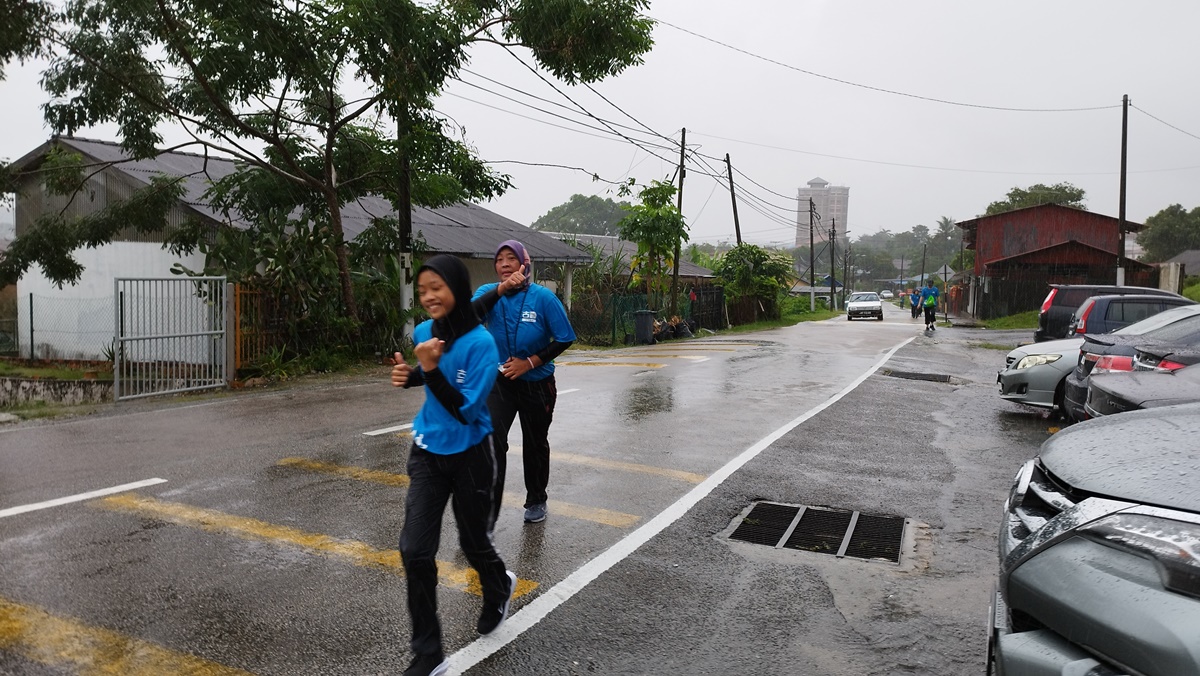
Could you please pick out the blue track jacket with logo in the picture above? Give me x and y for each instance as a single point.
(525, 322)
(470, 367)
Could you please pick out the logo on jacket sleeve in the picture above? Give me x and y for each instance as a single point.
(461, 376)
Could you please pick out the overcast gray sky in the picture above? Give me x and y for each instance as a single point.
(909, 157)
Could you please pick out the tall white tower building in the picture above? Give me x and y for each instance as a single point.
(832, 203)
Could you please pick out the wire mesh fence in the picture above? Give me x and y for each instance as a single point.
(609, 319)
(51, 328)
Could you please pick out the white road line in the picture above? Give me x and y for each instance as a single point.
(12, 511)
(530, 615)
(574, 389)
(397, 428)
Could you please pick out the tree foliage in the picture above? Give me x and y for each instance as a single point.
(1019, 198)
(266, 84)
(749, 270)
(584, 215)
(657, 227)
(1169, 233)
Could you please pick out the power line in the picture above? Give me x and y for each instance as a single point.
(594, 175)
(882, 90)
(1181, 131)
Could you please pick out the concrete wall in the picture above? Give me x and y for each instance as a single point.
(26, 390)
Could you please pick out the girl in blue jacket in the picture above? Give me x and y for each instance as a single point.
(452, 456)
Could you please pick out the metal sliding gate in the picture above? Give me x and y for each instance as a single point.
(170, 336)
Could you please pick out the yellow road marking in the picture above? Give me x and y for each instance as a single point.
(359, 473)
(593, 514)
(696, 349)
(669, 356)
(358, 553)
(577, 459)
(70, 644)
(611, 363)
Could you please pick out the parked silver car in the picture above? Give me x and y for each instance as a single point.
(1034, 374)
(1100, 552)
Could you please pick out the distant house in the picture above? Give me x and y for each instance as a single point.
(1190, 260)
(465, 230)
(1018, 253)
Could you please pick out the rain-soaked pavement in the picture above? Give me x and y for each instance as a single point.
(269, 548)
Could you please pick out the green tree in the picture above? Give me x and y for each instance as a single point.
(749, 270)
(1169, 233)
(584, 215)
(264, 82)
(657, 227)
(1019, 198)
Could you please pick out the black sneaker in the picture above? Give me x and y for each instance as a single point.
(493, 615)
(535, 513)
(428, 665)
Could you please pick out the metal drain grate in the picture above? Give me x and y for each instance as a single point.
(766, 523)
(912, 375)
(823, 530)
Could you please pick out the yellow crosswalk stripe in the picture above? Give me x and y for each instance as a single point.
(594, 514)
(690, 477)
(358, 553)
(647, 365)
(65, 643)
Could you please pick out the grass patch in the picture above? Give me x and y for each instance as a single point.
(1192, 292)
(55, 371)
(1024, 320)
(995, 346)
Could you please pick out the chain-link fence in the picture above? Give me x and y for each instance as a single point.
(52, 328)
(608, 319)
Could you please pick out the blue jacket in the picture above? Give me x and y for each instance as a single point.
(525, 322)
(470, 367)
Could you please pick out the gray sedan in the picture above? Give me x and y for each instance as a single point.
(1034, 374)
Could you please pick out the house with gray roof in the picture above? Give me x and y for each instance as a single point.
(465, 230)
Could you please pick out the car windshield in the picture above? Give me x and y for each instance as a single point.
(1183, 330)
(1158, 321)
(861, 297)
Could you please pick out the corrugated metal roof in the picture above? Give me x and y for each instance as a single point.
(611, 245)
(464, 229)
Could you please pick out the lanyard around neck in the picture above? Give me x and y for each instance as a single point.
(511, 339)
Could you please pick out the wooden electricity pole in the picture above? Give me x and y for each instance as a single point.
(812, 261)
(832, 263)
(1121, 203)
(736, 226)
(673, 305)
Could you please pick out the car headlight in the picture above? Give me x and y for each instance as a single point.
(1037, 360)
(1173, 545)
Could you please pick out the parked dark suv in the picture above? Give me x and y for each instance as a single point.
(1063, 299)
(1104, 314)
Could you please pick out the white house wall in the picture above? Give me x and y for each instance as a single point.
(77, 321)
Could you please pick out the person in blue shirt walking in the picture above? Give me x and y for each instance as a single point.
(914, 300)
(531, 328)
(929, 301)
(452, 456)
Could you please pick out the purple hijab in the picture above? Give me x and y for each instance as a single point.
(519, 250)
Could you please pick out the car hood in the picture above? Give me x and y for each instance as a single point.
(1068, 346)
(863, 303)
(1150, 388)
(1149, 457)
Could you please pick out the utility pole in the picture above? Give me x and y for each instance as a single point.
(812, 262)
(1121, 206)
(736, 226)
(902, 270)
(673, 305)
(845, 274)
(832, 263)
(404, 219)
(924, 247)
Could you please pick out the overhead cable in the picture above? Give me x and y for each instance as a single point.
(882, 90)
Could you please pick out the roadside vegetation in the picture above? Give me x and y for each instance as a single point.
(1023, 320)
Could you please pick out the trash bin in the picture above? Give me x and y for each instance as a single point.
(643, 327)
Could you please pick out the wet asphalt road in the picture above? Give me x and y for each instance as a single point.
(270, 547)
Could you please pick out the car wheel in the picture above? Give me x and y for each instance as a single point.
(1060, 400)
(880, 317)
(847, 317)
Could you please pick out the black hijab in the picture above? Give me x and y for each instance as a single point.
(462, 318)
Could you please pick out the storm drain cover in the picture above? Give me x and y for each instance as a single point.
(912, 375)
(823, 530)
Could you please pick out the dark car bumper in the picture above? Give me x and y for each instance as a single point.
(1075, 398)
